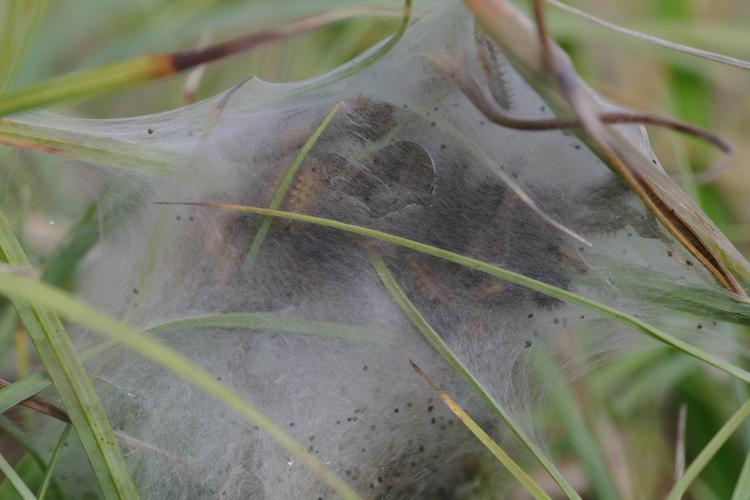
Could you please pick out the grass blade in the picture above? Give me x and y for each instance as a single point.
(695, 468)
(361, 63)
(124, 74)
(484, 438)
(27, 387)
(275, 322)
(32, 466)
(707, 453)
(22, 288)
(278, 196)
(498, 272)
(90, 148)
(71, 381)
(16, 481)
(88, 83)
(742, 488)
(437, 342)
(53, 461)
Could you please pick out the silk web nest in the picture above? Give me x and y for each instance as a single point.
(313, 334)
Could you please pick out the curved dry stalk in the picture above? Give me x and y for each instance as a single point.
(677, 213)
(192, 58)
(494, 114)
(492, 111)
(562, 71)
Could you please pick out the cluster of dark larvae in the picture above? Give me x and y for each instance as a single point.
(442, 198)
(436, 195)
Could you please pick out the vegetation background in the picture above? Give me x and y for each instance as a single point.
(633, 405)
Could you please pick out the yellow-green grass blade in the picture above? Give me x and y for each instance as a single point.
(358, 65)
(67, 373)
(742, 488)
(286, 181)
(122, 155)
(708, 451)
(494, 448)
(124, 74)
(15, 481)
(88, 83)
(53, 462)
(504, 274)
(21, 288)
(422, 325)
(274, 322)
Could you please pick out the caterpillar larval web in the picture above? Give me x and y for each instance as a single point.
(310, 331)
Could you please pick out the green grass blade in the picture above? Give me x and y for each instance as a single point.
(31, 474)
(87, 83)
(16, 481)
(124, 74)
(28, 386)
(742, 488)
(53, 462)
(90, 148)
(22, 288)
(358, 65)
(23, 389)
(278, 196)
(707, 453)
(517, 472)
(504, 274)
(437, 342)
(275, 322)
(71, 381)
